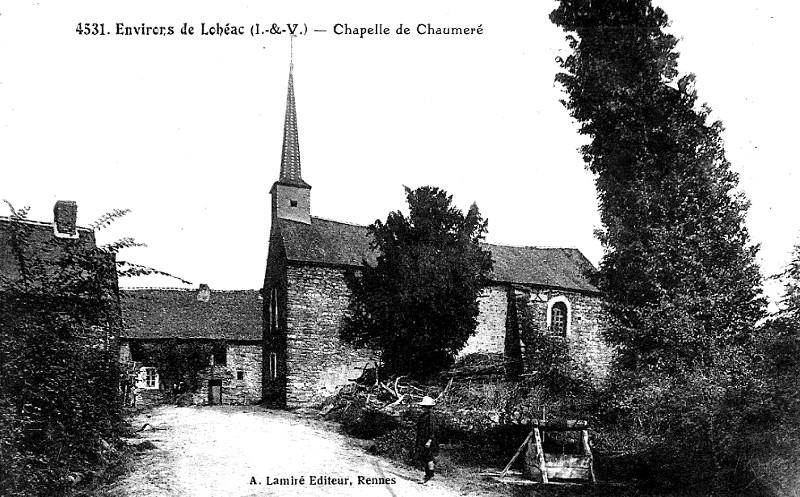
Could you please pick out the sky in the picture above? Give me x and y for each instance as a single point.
(186, 130)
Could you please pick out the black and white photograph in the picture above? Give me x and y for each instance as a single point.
(361, 248)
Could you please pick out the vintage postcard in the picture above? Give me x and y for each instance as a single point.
(245, 147)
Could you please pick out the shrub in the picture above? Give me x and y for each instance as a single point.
(362, 422)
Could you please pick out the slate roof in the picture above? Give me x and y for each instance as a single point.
(290, 154)
(326, 242)
(42, 244)
(176, 313)
(551, 267)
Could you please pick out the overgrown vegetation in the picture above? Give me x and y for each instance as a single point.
(776, 453)
(179, 362)
(418, 304)
(60, 406)
(692, 388)
(550, 363)
(679, 273)
(60, 414)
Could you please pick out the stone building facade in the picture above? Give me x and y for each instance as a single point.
(229, 321)
(306, 297)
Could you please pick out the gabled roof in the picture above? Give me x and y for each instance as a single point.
(332, 243)
(326, 242)
(41, 245)
(564, 268)
(177, 313)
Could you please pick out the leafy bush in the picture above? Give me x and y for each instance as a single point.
(58, 402)
(60, 413)
(179, 362)
(367, 423)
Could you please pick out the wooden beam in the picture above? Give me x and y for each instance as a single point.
(540, 451)
(568, 473)
(519, 451)
(561, 424)
(588, 451)
(566, 461)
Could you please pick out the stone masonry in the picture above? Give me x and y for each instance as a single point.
(317, 362)
(490, 334)
(585, 335)
(584, 339)
(244, 358)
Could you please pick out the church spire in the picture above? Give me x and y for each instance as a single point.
(290, 156)
(291, 196)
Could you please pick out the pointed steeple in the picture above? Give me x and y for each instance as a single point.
(290, 156)
(291, 196)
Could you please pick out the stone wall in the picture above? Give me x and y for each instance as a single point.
(274, 340)
(490, 335)
(244, 357)
(317, 362)
(241, 356)
(502, 313)
(584, 336)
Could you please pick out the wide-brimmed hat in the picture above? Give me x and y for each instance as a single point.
(427, 401)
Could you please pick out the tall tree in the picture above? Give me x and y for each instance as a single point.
(679, 271)
(782, 351)
(790, 301)
(418, 303)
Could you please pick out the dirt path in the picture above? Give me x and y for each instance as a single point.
(220, 450)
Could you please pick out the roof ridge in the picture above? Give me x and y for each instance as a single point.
(543, 247)
(339, 222)
(38, 223)
(139, 288)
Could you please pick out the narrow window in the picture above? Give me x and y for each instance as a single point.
(273, 310)
(220, 354)
(240, 375)
(558, 319)
(273, 365)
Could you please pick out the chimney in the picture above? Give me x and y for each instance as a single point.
(65, 215)
(203, 293)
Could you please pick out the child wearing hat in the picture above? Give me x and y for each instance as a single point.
(427, 444)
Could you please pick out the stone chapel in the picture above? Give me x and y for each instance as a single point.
(305, 295)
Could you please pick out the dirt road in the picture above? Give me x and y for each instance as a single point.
(249, 451)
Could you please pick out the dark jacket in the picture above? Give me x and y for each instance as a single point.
(426, 430)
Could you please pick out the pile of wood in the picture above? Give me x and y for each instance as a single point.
(479, 366)
(391, 395)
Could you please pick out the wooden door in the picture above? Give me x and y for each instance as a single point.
(214, 392)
